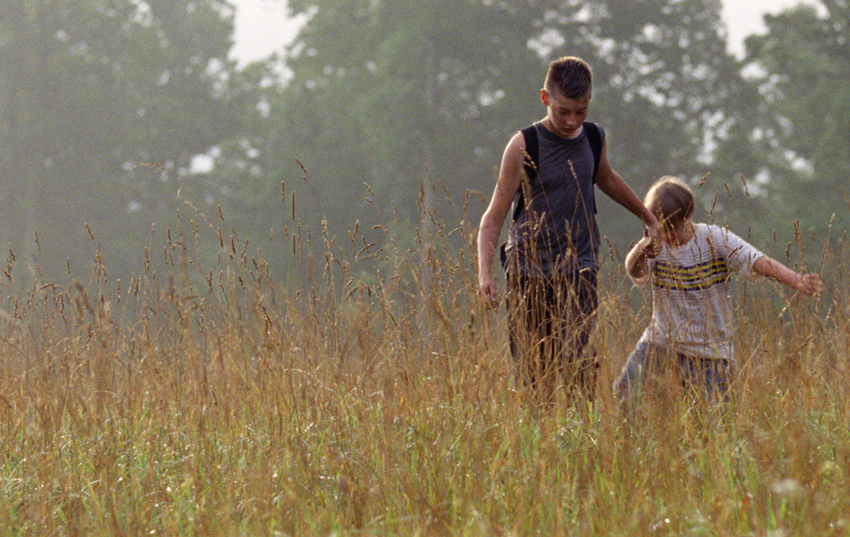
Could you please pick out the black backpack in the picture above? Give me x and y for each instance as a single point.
(532, 152)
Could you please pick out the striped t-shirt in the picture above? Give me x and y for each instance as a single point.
(691, 305)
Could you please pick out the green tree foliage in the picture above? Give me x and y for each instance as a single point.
(402, 96)
(418, 99)
(102, 105)
(801, 128)
(663, 80)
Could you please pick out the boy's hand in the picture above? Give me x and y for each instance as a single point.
(810, 284)
(487, 290)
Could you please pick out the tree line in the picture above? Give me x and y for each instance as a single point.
(127, 127)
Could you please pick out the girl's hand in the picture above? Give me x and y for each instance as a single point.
(650, 243)
(810, 284)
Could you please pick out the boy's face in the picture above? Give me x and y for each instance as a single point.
(565, 114)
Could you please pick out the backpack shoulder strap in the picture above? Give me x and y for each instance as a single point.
(532, 157)
(532, 151)
(595, 139)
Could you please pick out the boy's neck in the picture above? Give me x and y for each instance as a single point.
(547, 124)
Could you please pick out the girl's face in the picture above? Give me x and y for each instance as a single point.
(673, 236)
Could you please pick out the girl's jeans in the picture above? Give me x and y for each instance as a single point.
(649, 363)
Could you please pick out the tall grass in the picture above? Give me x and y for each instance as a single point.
(369, 393)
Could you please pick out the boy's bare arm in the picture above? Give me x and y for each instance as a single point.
(618, 190)
(809, 284)
(510, 178)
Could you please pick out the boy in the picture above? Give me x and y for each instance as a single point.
(689, 265)
(551, 255)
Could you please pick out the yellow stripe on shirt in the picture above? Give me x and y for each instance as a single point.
(690, 278)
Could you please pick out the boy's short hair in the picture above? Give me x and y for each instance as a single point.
(569, 77)
(670, 200)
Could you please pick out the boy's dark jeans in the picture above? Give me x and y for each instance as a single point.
(550, 321)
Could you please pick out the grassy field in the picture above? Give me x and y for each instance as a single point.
(377, 398)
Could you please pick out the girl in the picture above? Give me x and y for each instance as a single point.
(689, 265)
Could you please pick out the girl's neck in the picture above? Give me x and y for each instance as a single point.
(684, 234)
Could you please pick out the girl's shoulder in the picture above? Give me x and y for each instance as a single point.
(701, 229)
(710, 233)
(705, 244)
(725, 242)
(715, 233)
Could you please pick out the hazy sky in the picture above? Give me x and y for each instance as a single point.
(262, 26)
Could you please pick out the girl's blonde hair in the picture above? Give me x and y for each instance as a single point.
(671, 201)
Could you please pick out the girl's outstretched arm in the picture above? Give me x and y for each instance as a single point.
(809, 284)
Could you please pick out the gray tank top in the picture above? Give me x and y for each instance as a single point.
(557, 232)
